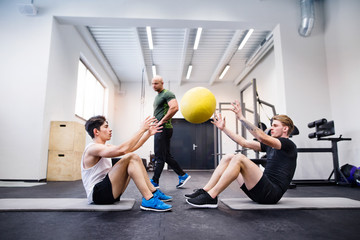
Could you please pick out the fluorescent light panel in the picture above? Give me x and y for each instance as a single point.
(154, 70)
(149, 36)
(224, 71)
(189, 72)
(246, 38)
(197, 38)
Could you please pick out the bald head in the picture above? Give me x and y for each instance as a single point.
(157, 83)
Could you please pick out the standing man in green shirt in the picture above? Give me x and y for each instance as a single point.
(165, 107)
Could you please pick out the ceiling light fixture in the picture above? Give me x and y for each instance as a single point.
(246, 38)
(154, 70)
(189, 72)
(149, 36)
(197, 38)
(224, 71)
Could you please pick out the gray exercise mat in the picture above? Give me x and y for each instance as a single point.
(61, 204)
(20, 184)
(293, 203)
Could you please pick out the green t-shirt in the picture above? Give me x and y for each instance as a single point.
(161, 106)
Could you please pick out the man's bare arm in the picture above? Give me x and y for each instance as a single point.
(220, 123)
(128, 146)
(255, 131)
(173, 108)
(152, 131)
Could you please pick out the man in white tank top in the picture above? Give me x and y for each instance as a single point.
(104, 183)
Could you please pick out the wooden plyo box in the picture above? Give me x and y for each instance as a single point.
(64, 166)
(67, 136)
(66, 145)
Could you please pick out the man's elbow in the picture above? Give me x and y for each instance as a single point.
(123, 150)
(263, 138)
(260, 139)
(174, 109)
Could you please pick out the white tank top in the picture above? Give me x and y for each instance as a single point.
(91, 176)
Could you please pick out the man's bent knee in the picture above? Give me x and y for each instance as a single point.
(227, 157)
(240, 159)
(135, 158)
(128, 157)
(131, 156)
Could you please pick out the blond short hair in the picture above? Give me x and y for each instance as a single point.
(285, 120)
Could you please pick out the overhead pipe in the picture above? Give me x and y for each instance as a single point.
(307, 17)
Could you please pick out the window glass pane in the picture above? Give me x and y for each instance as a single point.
(99, 96)
(79, 106)
(90, 94)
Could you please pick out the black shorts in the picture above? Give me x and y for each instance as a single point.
(102, 192)
(264, 192)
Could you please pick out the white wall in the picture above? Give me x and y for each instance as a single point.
(24, 47)
(306, 92)
(342, 38)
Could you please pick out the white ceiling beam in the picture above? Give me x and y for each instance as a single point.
(142, 57)
(183, 55)
(90, 41)
(259, 53)
(228, 52)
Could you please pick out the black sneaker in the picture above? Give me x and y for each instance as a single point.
(203, 201)
(196, 193)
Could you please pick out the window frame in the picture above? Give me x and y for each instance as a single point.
(99, 85)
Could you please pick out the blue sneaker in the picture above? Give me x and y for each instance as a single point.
(155, 204)
(160, 195)
(156, 185)
(183, 180)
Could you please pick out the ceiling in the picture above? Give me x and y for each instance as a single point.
(126, 49)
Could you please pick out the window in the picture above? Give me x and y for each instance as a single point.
(90, 95)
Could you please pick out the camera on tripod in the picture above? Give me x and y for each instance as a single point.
(323, 128)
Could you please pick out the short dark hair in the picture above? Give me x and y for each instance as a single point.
(94, 122)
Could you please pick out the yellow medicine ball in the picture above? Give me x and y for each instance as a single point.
(198, 105)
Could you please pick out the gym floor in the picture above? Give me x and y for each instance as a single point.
(183, 222)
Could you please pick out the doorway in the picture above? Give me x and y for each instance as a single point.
(192, 145)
